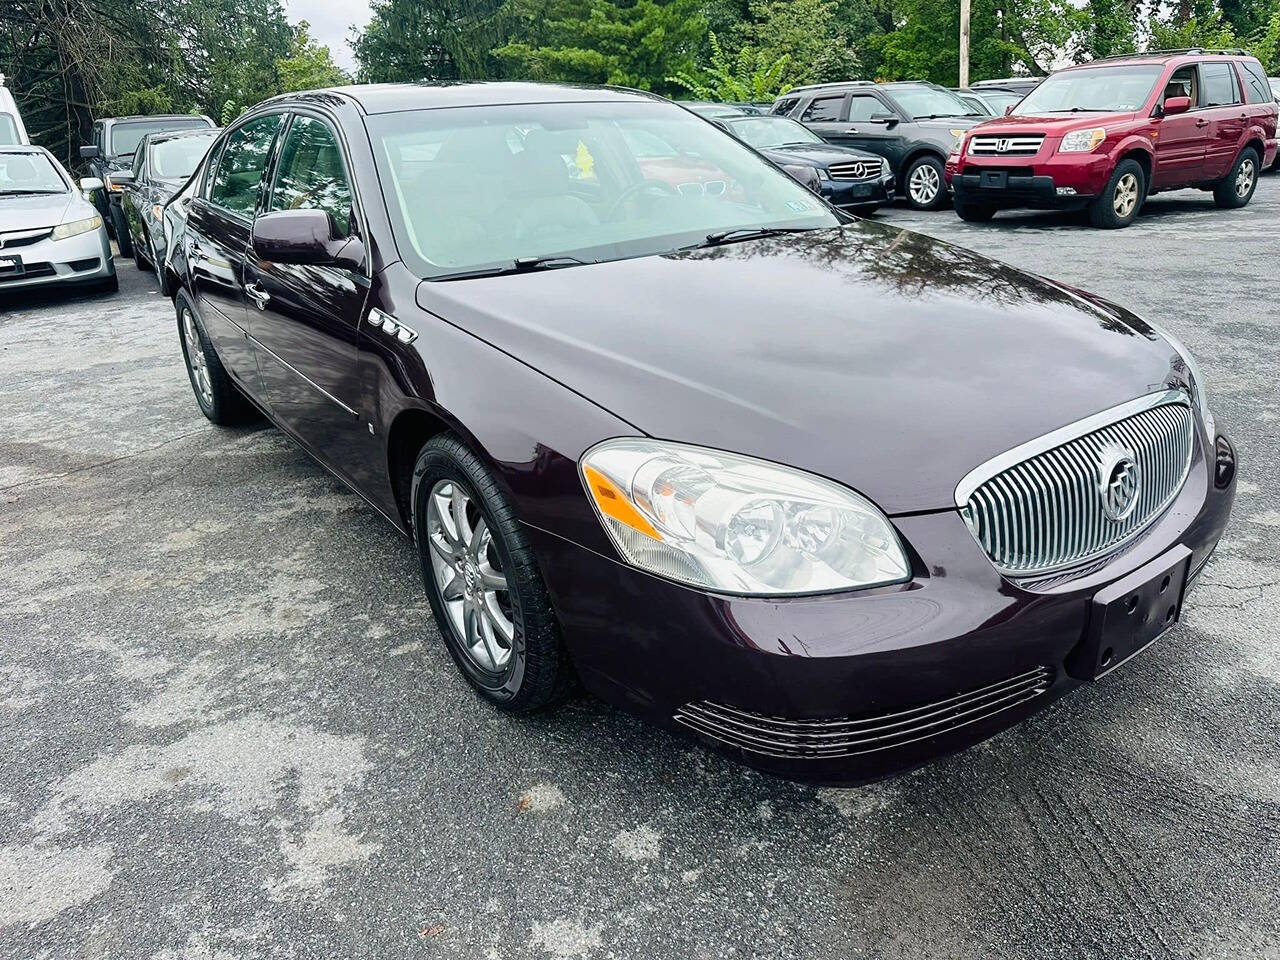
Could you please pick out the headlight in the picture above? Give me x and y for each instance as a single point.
(884, 167)
(735, 524)
(76, 227)
(1199, 388)
(1082, 141)
(959, 140)
(806, 175)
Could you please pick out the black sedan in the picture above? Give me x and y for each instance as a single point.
(162, 164)
(845, 176)
(795, 482)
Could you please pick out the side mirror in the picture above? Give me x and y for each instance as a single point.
(90, 184)
(304, 237)
(90, 152)
(1173, 105)
(120, 178)
(888, 119)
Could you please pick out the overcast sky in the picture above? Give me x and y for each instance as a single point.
(331, 22)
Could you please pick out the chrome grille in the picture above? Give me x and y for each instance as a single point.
(1006, 146)
(1040, 508)
(855, 170)
(846, 736)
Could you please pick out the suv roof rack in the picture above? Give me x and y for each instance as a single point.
(823, 86)
(1187, 51)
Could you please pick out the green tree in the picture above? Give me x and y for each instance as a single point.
(808, 34)
(633, 43)
(741, 78)
(309, 65)
(410, 40)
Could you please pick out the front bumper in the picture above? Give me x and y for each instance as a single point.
(1046, 181)
(855, 193)
(906, 673)
(82, 259)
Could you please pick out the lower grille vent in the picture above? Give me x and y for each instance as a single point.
(848, 736)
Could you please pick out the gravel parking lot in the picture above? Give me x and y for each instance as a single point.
(228, 728)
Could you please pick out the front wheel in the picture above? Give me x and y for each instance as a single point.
(925, 185)
(139, 259)
(974, 212)
(1118, 204)
(483, 582)
(121, 228)
(1236, 188)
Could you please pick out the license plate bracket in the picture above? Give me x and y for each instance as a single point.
(11, 265)
(994, 179)
(1131, 614)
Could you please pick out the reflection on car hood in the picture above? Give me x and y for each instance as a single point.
(35, 211)
(880, 358)
(823, 154)
(1051, 123)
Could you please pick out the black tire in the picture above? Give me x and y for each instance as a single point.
(924, 183)
(139, 260)
(163, 279)
(974, 212)
(536, 672)
(109, 285)
(121, 228)
(1237, 187)
(1110, 210)
(222, 402)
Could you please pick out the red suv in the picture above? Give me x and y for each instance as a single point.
(1105, 135)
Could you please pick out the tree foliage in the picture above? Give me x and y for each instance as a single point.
(309, 65)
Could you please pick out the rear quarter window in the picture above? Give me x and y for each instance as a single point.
(824, 109)
(1256, 88)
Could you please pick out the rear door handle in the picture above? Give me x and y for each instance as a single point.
(852, 130)
(259, 296)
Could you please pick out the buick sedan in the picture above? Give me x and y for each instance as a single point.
(833, 497)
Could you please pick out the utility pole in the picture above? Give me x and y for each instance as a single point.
(964, 43)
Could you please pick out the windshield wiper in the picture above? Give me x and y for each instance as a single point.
(944, 116)
(518, 265)
(718, 237)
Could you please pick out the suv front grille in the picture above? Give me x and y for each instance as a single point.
(1024, 146)
(847, 736)
(1051, 508)
(855, 170)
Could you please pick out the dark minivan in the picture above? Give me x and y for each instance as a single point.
(732, 460)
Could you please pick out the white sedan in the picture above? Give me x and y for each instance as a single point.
(49, 233)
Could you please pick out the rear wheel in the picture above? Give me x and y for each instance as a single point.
(483, 582)
(139, 260)
(1236, 189)
(121, 229)
(219, 398)
(1121, 199)
(974, 212)
(925, 187)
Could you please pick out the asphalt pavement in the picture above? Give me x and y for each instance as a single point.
(228, 728)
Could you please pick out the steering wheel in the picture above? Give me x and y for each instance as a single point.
(636, 188)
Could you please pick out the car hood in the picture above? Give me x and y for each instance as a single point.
(1052, 123)
(951, 123)
(821, 154)
(883, 359)
(34, 212)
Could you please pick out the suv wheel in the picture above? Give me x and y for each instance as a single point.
(974, 212)
(1122, 197)
(925, 187)
(483, 582)
(1236, 189)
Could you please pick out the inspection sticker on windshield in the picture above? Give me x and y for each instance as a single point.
(799, 206)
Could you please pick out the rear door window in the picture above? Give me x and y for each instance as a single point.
(238, 177)
(824, 110)
(1218, 85)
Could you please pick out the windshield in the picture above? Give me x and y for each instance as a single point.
(126, 136)
(178, 158)
(8, 131)
(997, 100)
(1095, 90)
(29, 173)
(924, 103)
(476, 188)
(765, 132)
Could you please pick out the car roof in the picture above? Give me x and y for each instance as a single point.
(163, 135)
(393, 97)
(154, 116)
(24, 148)
(1192, 55)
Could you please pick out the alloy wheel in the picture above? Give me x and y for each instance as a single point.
(1126, 195)
(924, 184)
(467, 569)
(195, 357)
(1245, 177)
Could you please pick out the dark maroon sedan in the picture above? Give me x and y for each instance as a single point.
(835, 497)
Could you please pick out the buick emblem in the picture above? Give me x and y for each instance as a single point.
(1119, 482)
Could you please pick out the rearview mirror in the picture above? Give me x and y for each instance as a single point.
(90, 184)
(1174, 105)
(304, 237)
(90, 152)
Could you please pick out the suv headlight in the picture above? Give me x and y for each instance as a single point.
(1082, 141)
(734, 524)
(806, 175)
(76, 227)
(1199, 388)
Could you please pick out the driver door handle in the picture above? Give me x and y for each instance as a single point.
(259, 296)
(1202, 123)
(852, 130)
